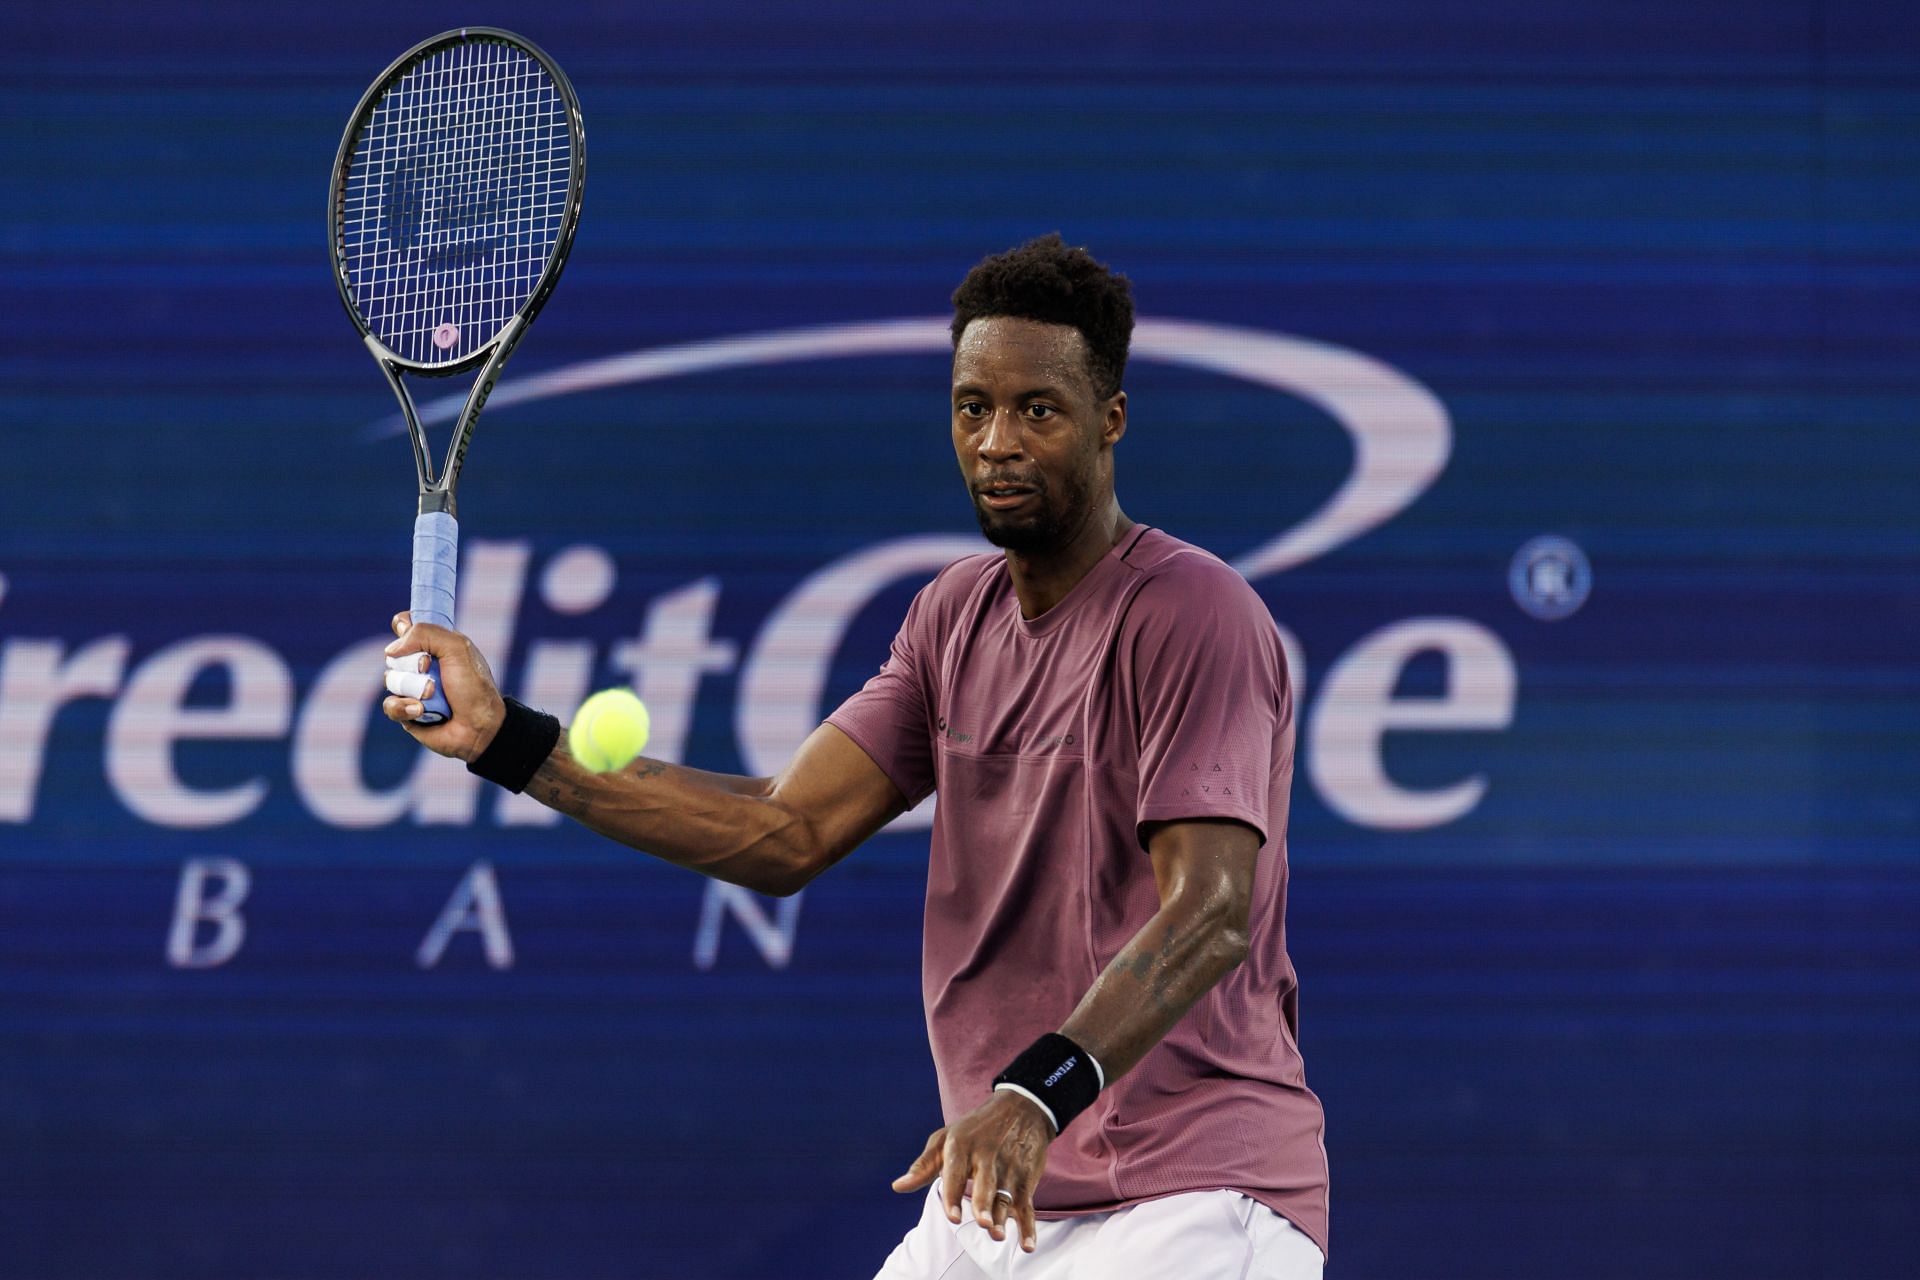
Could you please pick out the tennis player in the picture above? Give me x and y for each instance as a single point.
(1104, 710)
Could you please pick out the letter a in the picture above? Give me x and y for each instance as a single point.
(474, 906)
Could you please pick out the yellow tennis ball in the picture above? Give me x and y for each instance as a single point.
(609, 731)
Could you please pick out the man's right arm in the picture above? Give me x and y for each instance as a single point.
(771, 835)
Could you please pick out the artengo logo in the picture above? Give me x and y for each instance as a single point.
(1401, 440)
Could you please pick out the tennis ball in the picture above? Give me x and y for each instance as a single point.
(609, 731)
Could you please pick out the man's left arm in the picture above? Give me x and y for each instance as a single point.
(1203, 869)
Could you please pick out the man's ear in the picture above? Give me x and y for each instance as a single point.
(1114, 424)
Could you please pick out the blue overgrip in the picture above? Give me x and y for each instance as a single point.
(436, 560)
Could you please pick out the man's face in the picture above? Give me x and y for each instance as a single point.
(1032, 435)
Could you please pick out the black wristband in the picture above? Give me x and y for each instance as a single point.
(521, 746)
(1058, 1075)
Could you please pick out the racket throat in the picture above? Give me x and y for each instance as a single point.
(476, 401)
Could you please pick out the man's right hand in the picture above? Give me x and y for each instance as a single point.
(472, 697)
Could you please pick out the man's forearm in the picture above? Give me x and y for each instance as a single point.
(1176, 958)
(731, 828)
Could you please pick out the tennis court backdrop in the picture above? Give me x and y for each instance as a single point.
(1549, 369)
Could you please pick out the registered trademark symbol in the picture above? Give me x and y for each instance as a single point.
(1550, 578)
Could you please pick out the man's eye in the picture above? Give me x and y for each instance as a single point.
(1040, 412)
(972, 409)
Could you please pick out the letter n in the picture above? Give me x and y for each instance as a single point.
(773, 938)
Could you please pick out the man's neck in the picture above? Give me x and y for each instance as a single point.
(1041, 580)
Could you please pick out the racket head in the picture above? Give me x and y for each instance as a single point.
(455, 196)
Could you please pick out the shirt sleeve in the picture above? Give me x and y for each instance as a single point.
(1211, 693)
(891, 718)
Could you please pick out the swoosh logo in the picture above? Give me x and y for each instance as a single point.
(1401, 433)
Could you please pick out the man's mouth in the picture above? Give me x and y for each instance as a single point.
(1005, 497)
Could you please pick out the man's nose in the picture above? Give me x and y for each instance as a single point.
(1002, 440)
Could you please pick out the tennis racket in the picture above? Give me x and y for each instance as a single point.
(453, 205)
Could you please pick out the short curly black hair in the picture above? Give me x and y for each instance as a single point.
(1048, 280)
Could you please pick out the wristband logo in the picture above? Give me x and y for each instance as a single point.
(1061, 1070)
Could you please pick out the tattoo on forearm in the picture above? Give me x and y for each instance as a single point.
(1142, 966)
(1162, 991)
(1166, 973)
(1157, 971)
(556, 797)
(574, 798)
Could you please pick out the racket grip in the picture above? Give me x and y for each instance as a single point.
(436, 562)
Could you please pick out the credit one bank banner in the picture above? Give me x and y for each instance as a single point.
(1547, 368)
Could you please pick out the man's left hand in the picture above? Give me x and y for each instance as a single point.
(1002, 1145)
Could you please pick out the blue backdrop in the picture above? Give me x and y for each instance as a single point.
(1605, 871)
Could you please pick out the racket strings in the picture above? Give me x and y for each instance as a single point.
(455, 198)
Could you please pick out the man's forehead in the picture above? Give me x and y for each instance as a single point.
(1009, 345)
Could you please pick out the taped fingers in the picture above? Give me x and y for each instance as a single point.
(407, 675)
(410, 684)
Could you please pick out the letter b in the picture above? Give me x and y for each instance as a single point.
(193, 905)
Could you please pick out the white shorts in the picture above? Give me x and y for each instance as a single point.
(1198, 1235)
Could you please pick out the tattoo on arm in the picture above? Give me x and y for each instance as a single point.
(753, 832)
(1145, 990)
(567, 799)
(1166, 972)
(573, 798)
(1154, 970)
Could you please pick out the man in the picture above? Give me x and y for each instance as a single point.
(1105, 714)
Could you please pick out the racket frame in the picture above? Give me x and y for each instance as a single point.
(437, 486)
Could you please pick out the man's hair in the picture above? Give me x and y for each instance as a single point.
(1045, 279)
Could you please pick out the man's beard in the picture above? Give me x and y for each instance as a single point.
(1051, 526)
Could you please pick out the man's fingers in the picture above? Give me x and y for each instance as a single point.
(409, 684)
(401, 709)
(983, 1187)
(1023, 1214)
(407, 672)
(1002, 1205)
(425, 638)
(924, 1165)
(401, 621)
(953, 1179)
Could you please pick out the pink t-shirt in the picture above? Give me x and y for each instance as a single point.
(1155, 690)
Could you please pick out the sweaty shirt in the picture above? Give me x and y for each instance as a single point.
(1155, 690)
